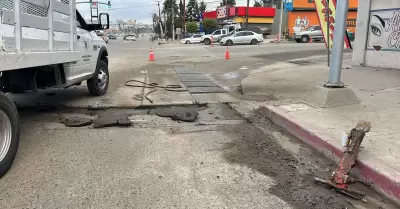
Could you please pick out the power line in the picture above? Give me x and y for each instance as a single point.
(134, 7)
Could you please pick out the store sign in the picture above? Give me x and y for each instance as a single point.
(232, 11)
(326, 15)
(288, 5)
(222, 12)
(351, 23)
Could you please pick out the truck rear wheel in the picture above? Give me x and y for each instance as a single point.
(207, 41)
(9, 133)
(98, 85)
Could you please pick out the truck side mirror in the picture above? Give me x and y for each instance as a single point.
(104, 20)
(104, 23)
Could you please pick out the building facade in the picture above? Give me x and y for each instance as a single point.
(304, 15)
(377, 41)
(258, 16)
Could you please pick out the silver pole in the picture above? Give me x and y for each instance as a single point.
(280, 23)
(338, 39)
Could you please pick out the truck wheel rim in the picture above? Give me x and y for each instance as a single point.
(102, 79)
(5, 134)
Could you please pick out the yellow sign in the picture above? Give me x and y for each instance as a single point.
(326, 15)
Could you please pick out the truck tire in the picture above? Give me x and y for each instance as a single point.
(98, 85)
(207, 41)
(9, 133)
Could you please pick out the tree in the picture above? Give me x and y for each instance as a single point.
(210, 25)
(192, 10)
(228, 2)
(257, 4)
(202, 6)
(192, 27)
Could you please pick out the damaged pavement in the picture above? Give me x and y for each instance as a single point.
(196, 148)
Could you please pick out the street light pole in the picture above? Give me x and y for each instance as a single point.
(337, 51)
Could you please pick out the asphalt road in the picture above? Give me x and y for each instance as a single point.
(221, 160)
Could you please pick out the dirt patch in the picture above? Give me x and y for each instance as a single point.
(294, 178)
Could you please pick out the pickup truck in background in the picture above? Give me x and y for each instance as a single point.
(57, 49)
(313, 32)
(214, 36)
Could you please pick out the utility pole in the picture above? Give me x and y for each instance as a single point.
(184, 18)
(247, 13)
(159, 18)
(165, 21)
(173, 19)
(337, 51)
(280, 23)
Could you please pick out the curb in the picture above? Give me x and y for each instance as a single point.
(381, 183)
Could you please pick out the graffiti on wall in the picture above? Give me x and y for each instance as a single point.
(384, 30)
(300, 24)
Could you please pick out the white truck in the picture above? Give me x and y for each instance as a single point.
(215, 36)
(45, 44)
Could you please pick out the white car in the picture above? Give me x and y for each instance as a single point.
(242, 37)
(130, 38)
(196, 38)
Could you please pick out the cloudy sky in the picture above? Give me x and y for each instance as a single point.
(139, 10)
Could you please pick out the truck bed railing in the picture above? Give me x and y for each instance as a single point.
(51, 16)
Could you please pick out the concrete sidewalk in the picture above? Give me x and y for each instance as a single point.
(287, 90)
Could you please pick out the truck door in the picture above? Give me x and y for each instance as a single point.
(84, 43)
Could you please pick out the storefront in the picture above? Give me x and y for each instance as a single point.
(258, 16)
(304, 15)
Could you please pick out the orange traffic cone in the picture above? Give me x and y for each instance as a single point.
(151, 57)
(227, 56)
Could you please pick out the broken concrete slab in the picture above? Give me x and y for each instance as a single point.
(121, 120)
(178, 113)
(77, 122)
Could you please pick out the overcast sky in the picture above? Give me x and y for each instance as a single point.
(139, 10)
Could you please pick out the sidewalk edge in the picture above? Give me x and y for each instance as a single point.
(382, 183)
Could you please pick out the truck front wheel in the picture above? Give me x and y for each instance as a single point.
(9, 133)
(98, 85)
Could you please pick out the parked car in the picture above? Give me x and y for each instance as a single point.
(242, 37)
(196, 38)
(313, 32)
(130, 37)
(112, 36)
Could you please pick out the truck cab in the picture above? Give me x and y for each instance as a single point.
(57, 49)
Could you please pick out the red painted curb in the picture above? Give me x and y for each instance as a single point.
(382, 183)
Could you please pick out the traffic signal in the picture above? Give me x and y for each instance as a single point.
(91, 3)
(109, 4)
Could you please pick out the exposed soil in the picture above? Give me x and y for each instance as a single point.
(260, 150)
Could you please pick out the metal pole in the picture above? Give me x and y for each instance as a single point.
(338, 39)
(247, 13)
(328, 33)
(280, 23)
(173, 20)
(159, 18)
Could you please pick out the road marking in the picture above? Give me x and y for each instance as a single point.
(143, 71)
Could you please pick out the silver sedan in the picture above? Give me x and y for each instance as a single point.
(242, 37)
